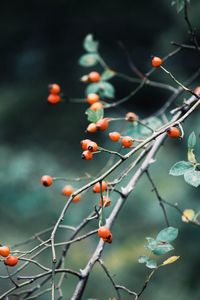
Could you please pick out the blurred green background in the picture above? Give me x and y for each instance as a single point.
(41, 42)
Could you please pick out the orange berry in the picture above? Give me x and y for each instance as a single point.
(102, 124)
(84, 144)
(67, 190)
(173, 132)
(11, 260)
(96, 106)
(92, 98)
(108, 239)
(131, 117)
(92, 146)
(87, 155)
(156, 61)
(4, 251)
(77, 198)
(94, 76)
(127, 141)
(197, 90)
(106, 201)
(54, 88)
(46, 180)
(53, 98)
(114, 136)
(104, 232)
(97, 187)
(92, 128)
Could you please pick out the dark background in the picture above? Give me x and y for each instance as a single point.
(41, 42)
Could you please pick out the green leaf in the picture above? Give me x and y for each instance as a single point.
(192, 177)
(106, 89)
(191, 156)
(168, 234)
(151, 243)
(107, 74)
(94, 116)
(162, 249)
(192, 140)
(90, 44)
(179, 5)
(151, 264)
(180, 168)
(143, 259)
(89, 60)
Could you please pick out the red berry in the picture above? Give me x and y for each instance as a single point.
(104, 232)
(94, 77)
(92, 146)
(97, 187)
(54, 88)
(156, 61)
(4, 251)
(54, 99)
(173, 132)
(102, 124)
(11, 260)
(131, 117)
(106, 201)
(77, 198)
(114, 136)
(84, 144)
(67, 190)
(96, 106)
(92, 98)
(108, 239)
(92, 128)
(127, 141)
(87, 155)
(46, 180)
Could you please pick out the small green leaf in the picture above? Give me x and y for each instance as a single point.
(151, 243)
(162, 249)
(89, 60)
(143, 259)
(192, 177)
(180, 168)
(90, 44)
(191, 156)
(192, 140)
(168, 234)
(179, 5)
(105, 88)
(107, 74)
(94, 116)
(151, 264)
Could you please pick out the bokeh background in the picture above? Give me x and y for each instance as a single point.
(41, 42)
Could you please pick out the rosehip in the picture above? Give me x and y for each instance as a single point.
(11, 261)
(156, 61)
(104, 232)
(102, 124)
(87, 155)
(67, 190)
(92, 128)
(77, 198)
(106, 201)
(84, 144)
(94, 76)
(114, 136)
(96, 106)
(92, 98)
(173, 132)
(53, 98)
(97, 187)
(127, 141)
(4, 251)
(54, 88)
(92, 146)
(131, 117)
(46, 180)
